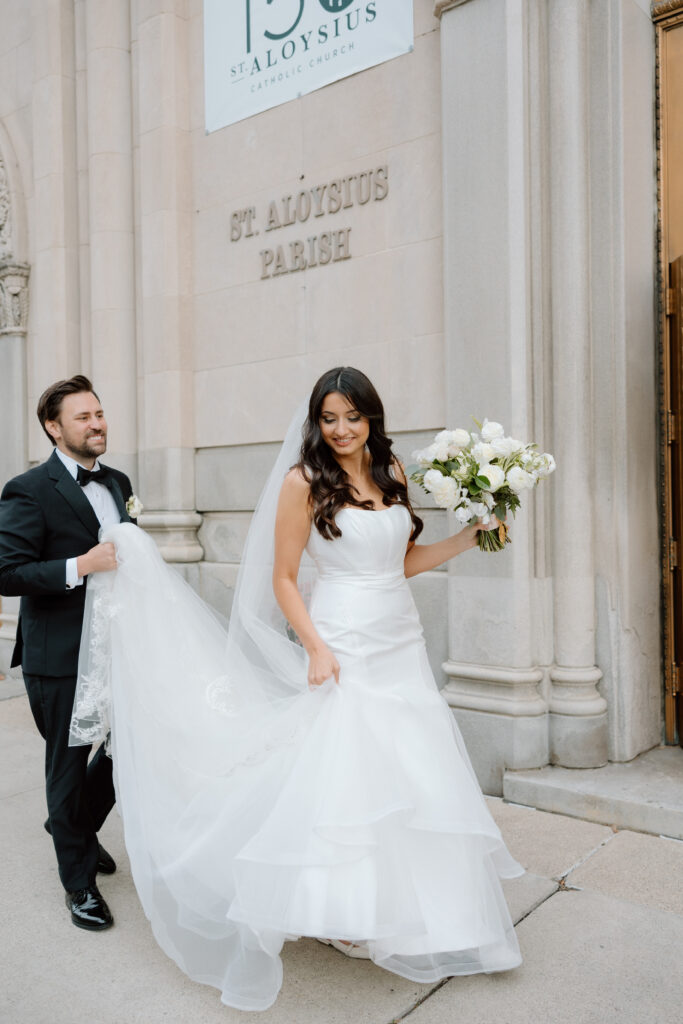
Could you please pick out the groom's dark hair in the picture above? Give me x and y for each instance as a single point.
(50, 402)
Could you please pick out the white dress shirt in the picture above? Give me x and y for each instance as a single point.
(104, 507)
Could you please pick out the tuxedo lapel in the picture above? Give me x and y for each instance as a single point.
(73, 493)
(117, 495)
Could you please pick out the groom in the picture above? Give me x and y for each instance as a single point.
(50, 518)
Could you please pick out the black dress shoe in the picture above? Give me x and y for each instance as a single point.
(106, 865)
(88, 909)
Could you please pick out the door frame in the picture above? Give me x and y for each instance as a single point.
(666, 15)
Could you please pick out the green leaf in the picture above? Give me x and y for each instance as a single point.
(482, 481)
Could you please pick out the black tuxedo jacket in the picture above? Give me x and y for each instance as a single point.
(45, 519)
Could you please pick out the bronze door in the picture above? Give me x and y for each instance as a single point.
(668, 17)
(673, 699)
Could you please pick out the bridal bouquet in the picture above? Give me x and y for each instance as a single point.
(480, 475)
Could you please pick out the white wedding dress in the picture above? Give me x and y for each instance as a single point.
(350, 811)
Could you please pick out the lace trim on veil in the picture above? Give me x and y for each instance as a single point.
(91, 716)
(247, 677)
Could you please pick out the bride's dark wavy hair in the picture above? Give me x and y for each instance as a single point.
(331, 488)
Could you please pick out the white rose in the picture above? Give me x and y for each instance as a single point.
(504, 446)
(456, 440)
(432, 479)
(494, 475)
(134, 506)
(479, 509)
(491, 430)
(421, 457)
(447, 493)
(428, 454)
(463, 514)
(549, 464)
(518, 479)
(483, 452)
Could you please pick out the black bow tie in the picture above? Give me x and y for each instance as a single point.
(85, 476)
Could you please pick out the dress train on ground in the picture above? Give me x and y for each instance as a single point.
(253, 817)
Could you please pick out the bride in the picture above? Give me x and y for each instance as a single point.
(301, 774)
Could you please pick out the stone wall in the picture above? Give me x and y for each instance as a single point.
(483, 220)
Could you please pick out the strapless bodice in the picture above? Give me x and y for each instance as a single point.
(371, 549)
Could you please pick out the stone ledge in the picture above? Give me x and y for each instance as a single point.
(175, 534)
(645, 794)
(441, 6)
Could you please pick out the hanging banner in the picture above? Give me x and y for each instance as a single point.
(260, 53)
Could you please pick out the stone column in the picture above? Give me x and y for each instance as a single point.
(625, 400)
(54, 346)
(13, 321)
(499, 627)
(111, 229)
(164, 216)
(13, 441)
(578, 713)
(82, 165)
(13, 326)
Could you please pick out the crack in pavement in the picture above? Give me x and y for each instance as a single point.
(561, 887)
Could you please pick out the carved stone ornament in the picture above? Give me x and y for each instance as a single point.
(5, 215)
(13, 297)
(441, 6)
(665, 8)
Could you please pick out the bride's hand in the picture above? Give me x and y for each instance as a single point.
(322, 664)
(468, 534)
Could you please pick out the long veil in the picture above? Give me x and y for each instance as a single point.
(190, 709)
(247, 672)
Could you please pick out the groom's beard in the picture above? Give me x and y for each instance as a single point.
(90, 448)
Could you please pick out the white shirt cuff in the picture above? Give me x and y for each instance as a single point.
(72, 577)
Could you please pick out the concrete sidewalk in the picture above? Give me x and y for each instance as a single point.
(599, 913)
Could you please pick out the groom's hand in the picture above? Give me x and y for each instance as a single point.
(101, 558)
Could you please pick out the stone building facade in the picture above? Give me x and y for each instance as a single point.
(493, 254)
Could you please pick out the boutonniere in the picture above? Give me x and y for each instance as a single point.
(134, 506)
